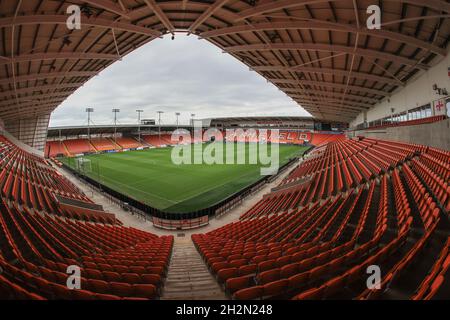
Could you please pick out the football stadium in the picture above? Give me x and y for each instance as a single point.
(351, 202)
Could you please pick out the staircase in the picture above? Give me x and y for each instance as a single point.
(116, 145)
(66, 149)
(91, 145)
(188, 277)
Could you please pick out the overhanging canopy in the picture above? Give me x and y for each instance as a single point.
(319, 52)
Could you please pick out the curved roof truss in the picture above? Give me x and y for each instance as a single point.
(319, 52)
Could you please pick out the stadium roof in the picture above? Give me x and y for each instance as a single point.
(228, 121)
(54, 132)
(319, 52)
(261, 118)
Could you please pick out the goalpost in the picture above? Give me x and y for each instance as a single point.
(83, 165)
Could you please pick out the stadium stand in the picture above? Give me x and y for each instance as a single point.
(73, 147)
(285, 137)
(350, 204)
(78, 146)
(128, 143)
(103, 144)
(319, 139)
(294, 137)
(367, 199)
(55, 149)
(153, 140)
(167, 139)
(40, 239)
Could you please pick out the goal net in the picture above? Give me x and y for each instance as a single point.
(83, 165)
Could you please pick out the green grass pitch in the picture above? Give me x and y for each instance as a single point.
(150, 176)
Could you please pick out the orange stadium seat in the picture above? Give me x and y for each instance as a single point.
(36, 249)
(329, 255)
(103, 144)
(128, 143)
(356, 92)
(78, 146)
(55, 149)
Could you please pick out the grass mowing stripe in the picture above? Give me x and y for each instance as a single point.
(150, 176)
(217, 186)
(130, 186)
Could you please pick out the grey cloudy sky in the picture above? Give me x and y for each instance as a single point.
(186, 75)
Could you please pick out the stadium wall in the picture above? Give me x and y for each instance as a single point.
(20, 144)
(30, 131)
(436, 134)
(416, 93)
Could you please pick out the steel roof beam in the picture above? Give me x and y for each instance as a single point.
(334, 95)
(361, 106)
(58, 56)
(108, 5)
(49, 75)
(309, 24)
(329, 48)
(329, 85)
(17, 107)
(42, 88)
(207, 14)
(160, 14)
(438, 5)
(91, 22)
(332, 100)
(329, 71)
(306, 99)
(28, 109)
(35, 97)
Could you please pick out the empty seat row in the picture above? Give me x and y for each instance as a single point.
(40, 240)
(352, 204)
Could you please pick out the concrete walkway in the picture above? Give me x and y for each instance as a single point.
(188, 277)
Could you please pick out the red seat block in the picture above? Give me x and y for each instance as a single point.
(249, 293)
(276, 287)
(82, 295)
(147, 291)
(235, 284)
(311, 294)
(248, 269)
(268, 276)
(121, 289)
(100, 296)
(153, 279)
(299, 280)
(288, 270)
(98, 286)
(132, 278)
(225, 274)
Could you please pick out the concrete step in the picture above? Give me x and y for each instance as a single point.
(207, 295)
(188, 281)
(188, 268)
(188, 276)
(182, 276)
